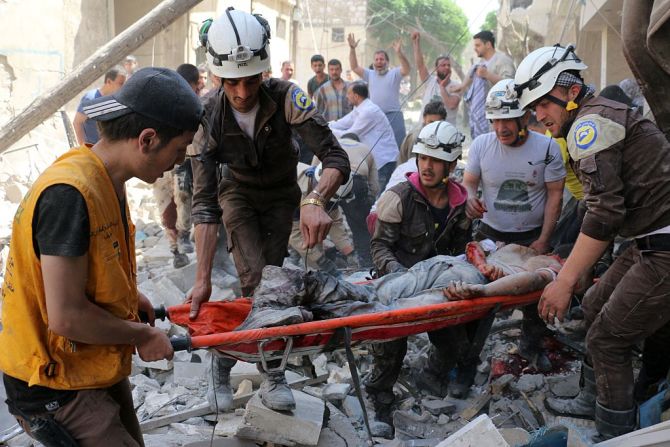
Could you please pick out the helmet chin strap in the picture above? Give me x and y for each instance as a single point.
(572, 104)
(521, 134)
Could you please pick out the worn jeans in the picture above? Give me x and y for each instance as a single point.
(629, 304)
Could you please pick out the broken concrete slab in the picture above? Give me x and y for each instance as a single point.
(227, 424)
(189, 374)
(498, 385)
(411, 425)
(336, 392)
(352, 408)
(515, 436)
(528, 383)
(329, 438)
(381, 429)
(342, 426)
(480, 432)
(563, 385)
(301, 426)
(245, 387)
(438, 407)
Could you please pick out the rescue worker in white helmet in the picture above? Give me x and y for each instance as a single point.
(521, 174)
(623, 163)
(422, 217)
(244, 169)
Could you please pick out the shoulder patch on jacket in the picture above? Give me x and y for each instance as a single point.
(301, 100)
(591, 134)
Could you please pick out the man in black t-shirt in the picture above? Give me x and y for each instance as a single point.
(70, 300)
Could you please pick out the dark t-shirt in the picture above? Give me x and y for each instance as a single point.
(313, 85)
(440, 216)
(61, 227)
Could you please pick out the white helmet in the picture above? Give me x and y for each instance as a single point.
(440, 140)
(501, 102)
(538, 72)
(343, 191)
(237, 44)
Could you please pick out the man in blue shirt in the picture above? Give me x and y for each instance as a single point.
(85, 128)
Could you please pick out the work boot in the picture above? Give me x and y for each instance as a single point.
(459, 388)
(432, 382)
(382, 403)
(275, 392)
(613, 423)
(581, 406)
(184, 242)
(219, 392)
(180, 259)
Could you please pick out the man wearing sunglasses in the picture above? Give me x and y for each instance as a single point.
(417, 219)
(521, 175)
(623, 163)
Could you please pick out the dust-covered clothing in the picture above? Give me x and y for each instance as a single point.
(408, 232)
(256, 186)
(623, 161)
(513, 179)
(626, 189)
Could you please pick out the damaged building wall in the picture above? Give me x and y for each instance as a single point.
(36, 53)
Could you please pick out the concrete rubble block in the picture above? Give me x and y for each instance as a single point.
(156, 403)
(152, 229)
(223, 442)
(166, 293)
(563, 385)
(341, 425)
(339, 374)
(480, 432)
(352, 408)
(245, 387)
(515, 436)
(142, 381)
(190, 375)
(336, 392)
(528, 383)
(320, 363)
(183, 278)
(242, 371)
(301, 426)
(499, 384)
(227, 424)
(438, 407)
(410, 425)
(329, 438)
(314, 391)
(381, 429)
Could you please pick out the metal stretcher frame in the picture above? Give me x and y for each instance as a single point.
(261, 345)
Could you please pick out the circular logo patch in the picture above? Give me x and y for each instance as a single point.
(301, 100)
(586, 134)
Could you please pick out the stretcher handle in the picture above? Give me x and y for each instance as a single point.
(160, 312)
(181, 342)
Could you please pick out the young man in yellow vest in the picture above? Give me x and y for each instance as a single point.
(70, 300)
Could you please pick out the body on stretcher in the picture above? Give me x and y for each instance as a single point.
(274, 343)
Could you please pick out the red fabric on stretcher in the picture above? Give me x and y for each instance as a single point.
(214, 317)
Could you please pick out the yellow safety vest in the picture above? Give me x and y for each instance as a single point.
(29, 351)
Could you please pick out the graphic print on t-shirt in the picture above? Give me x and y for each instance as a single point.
(513, 197)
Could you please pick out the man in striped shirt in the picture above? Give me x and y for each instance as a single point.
(331, 98)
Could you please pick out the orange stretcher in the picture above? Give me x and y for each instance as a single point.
(216, 321)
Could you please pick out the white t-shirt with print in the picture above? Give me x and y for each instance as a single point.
(513, 179)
